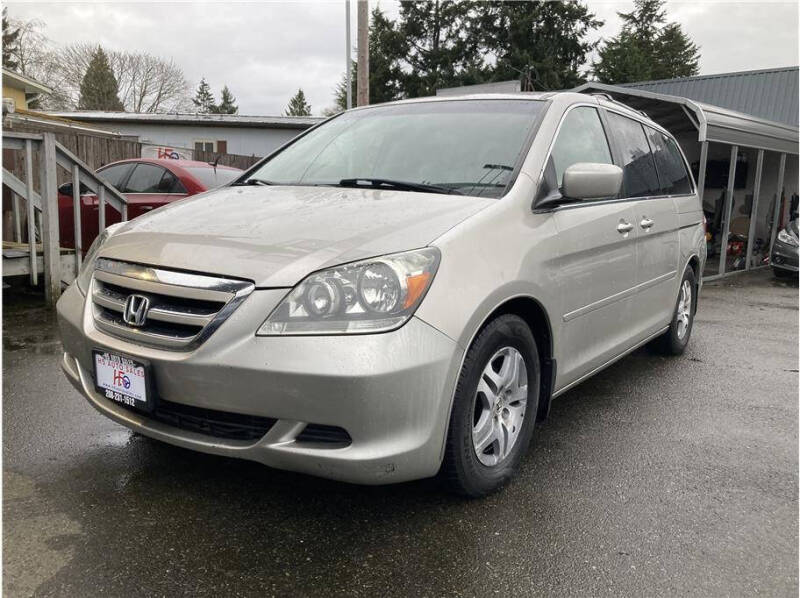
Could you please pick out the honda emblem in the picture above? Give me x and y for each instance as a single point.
(135, 313)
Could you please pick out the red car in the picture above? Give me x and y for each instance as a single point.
(146, 183)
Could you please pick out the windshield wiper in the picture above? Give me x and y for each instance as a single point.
(398, 185)
(252, 181)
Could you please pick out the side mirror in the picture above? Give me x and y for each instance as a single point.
(589, 180)
(66, 189)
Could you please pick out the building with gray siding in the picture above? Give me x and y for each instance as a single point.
(182, 134)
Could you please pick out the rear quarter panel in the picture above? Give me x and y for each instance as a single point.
(691, 232)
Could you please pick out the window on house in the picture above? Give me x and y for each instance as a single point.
(204, 145)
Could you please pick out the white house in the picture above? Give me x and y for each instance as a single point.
(181, 134)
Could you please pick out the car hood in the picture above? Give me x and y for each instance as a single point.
(276, 236)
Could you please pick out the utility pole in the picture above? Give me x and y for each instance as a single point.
(362, 74)
(348, 61)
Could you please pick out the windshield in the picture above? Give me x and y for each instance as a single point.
(212, 178)
(467, 146)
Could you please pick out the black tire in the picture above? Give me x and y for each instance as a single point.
(671, 342)
(461, 470)
(785, 274)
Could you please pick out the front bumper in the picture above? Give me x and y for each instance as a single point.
(391, 392)
(784, 256)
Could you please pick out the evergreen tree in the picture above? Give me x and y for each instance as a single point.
(10, 43)
(298, 105)
(385, 51)
(227, 103)
(543, 44)
(647, 47)
(340, 93)
(99, 90)
(203, 98)
(677, 55)
(385, 74)
(438, 46)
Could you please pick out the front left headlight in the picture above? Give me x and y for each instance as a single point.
(87, 266)
(375, 295)
(785, 237)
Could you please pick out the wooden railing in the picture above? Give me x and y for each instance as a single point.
(44, 204)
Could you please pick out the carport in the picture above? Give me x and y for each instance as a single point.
(746, 170)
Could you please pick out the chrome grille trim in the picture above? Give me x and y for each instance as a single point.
(186, 308)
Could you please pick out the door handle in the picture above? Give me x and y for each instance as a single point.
(624, 227)
(646, 223)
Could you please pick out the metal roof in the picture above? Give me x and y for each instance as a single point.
(771, 94)
(712, 123)
(183, 118)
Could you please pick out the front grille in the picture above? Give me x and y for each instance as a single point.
(184, 309)
(220, 424)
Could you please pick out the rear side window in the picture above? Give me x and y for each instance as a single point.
(146, 178)
(669, 164)
(580, 139)
(211, 178)
(114, 175)
(171, 183)
(639, 171)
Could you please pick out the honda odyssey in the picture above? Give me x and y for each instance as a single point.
(397, 293)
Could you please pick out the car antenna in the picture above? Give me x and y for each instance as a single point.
(215, 162)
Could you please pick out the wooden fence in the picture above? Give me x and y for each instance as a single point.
(235, 160)
(93, 150)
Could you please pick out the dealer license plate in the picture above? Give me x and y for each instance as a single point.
(121, 379)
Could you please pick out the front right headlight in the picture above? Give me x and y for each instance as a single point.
(87, 266)
(785, 237)
(374, 295)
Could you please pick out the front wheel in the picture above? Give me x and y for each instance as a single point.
(494, 409)
(675, 339)
(781, 273)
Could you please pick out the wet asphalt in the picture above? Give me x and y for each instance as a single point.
(657, 477)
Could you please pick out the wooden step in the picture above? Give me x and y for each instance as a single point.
(17, 262)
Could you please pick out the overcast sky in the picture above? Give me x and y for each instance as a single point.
(265, 51)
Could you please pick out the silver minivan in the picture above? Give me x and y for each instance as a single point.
(398, 292)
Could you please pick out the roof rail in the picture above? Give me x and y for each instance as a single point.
(610, 98)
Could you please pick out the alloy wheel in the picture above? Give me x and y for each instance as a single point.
(684, 309)
(500, 402)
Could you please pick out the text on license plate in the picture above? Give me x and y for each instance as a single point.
(117, 374)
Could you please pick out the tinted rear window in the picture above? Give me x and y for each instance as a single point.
(114, 175)
(211, 178)
(145, 179)
(639, 171)
(670, 165)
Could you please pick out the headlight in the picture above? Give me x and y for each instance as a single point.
(374, 295)
(87, 266)
(785, 237)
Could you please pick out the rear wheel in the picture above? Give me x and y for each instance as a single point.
(675, 339)
(494, 410)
